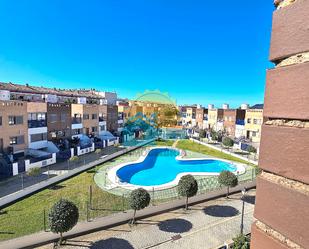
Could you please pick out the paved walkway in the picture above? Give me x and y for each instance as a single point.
(206, 225)
(214, 215)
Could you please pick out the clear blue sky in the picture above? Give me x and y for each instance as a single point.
(198, 51)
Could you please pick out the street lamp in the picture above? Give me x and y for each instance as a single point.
(243, 192)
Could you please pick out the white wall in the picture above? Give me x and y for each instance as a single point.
(85, 151)
(77, 126)
(40, 164)
(239, 131)
(38, 144)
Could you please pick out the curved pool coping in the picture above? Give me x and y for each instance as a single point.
(112, 172)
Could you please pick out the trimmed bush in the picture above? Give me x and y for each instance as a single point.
(63, 216)
(138, 199)
(98, 151)
(36, 171)
(74, 158)
(241, 242)
(251, 149)
(227, 179)
(228, 142)
(214, 135)
(202, 134)
(187, 187)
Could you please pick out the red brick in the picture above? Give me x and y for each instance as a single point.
(284, 210)
(285, 151)
(287, 91)
(261, 240)
(290, 32)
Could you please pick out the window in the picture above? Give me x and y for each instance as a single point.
(94, 129)
(102, 117)
(249, 120)
(76, 131)
(253, 133)
(63, 117)
(94, 116)
(16, 140)
(15, 120)
(102, 127)
(86, 116)
(38, 137)
(0, 121)
(53, 117)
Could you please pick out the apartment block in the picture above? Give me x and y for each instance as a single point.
(59, 121)
(215, 119)
(253, 124)
(13, 127)
(202, 117)
(37, 124)
(233, 118)
(282, 197)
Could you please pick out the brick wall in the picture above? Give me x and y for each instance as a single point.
(282, 201)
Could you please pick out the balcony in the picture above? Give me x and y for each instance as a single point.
(102, 119)
(240, 122)
(76, 120)
(37, 123)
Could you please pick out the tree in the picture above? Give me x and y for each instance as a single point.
(202, 134)
(63, 216)
(241, 242)
(187, 187)
(228, 142)
(228, 179)
(139, 199)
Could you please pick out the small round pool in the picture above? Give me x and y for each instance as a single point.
(163, 165)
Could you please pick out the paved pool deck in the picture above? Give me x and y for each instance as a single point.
(104, 183)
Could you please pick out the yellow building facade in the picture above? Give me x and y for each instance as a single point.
(253, 124)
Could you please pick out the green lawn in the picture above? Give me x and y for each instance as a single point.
(164, 142)
(190, 145)
(27, 216)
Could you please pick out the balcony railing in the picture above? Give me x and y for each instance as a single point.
(36, 123)
(240, 122)
(101, 119)
(40, 158)
(76, 120)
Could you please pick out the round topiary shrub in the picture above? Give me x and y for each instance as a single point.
(228, 142)
(63, 216)
(187, 187)
(228, 179)
(138, 199)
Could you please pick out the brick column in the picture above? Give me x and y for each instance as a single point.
(282, 199)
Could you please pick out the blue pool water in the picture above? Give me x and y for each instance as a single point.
(160, 167)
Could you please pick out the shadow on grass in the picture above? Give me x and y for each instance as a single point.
(221, 211)
(111, 243)
(249, 199)
(56, 187)
(175, 226)
(3, 212)
(3, 232)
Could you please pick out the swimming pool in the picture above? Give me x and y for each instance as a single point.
(163, 166)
